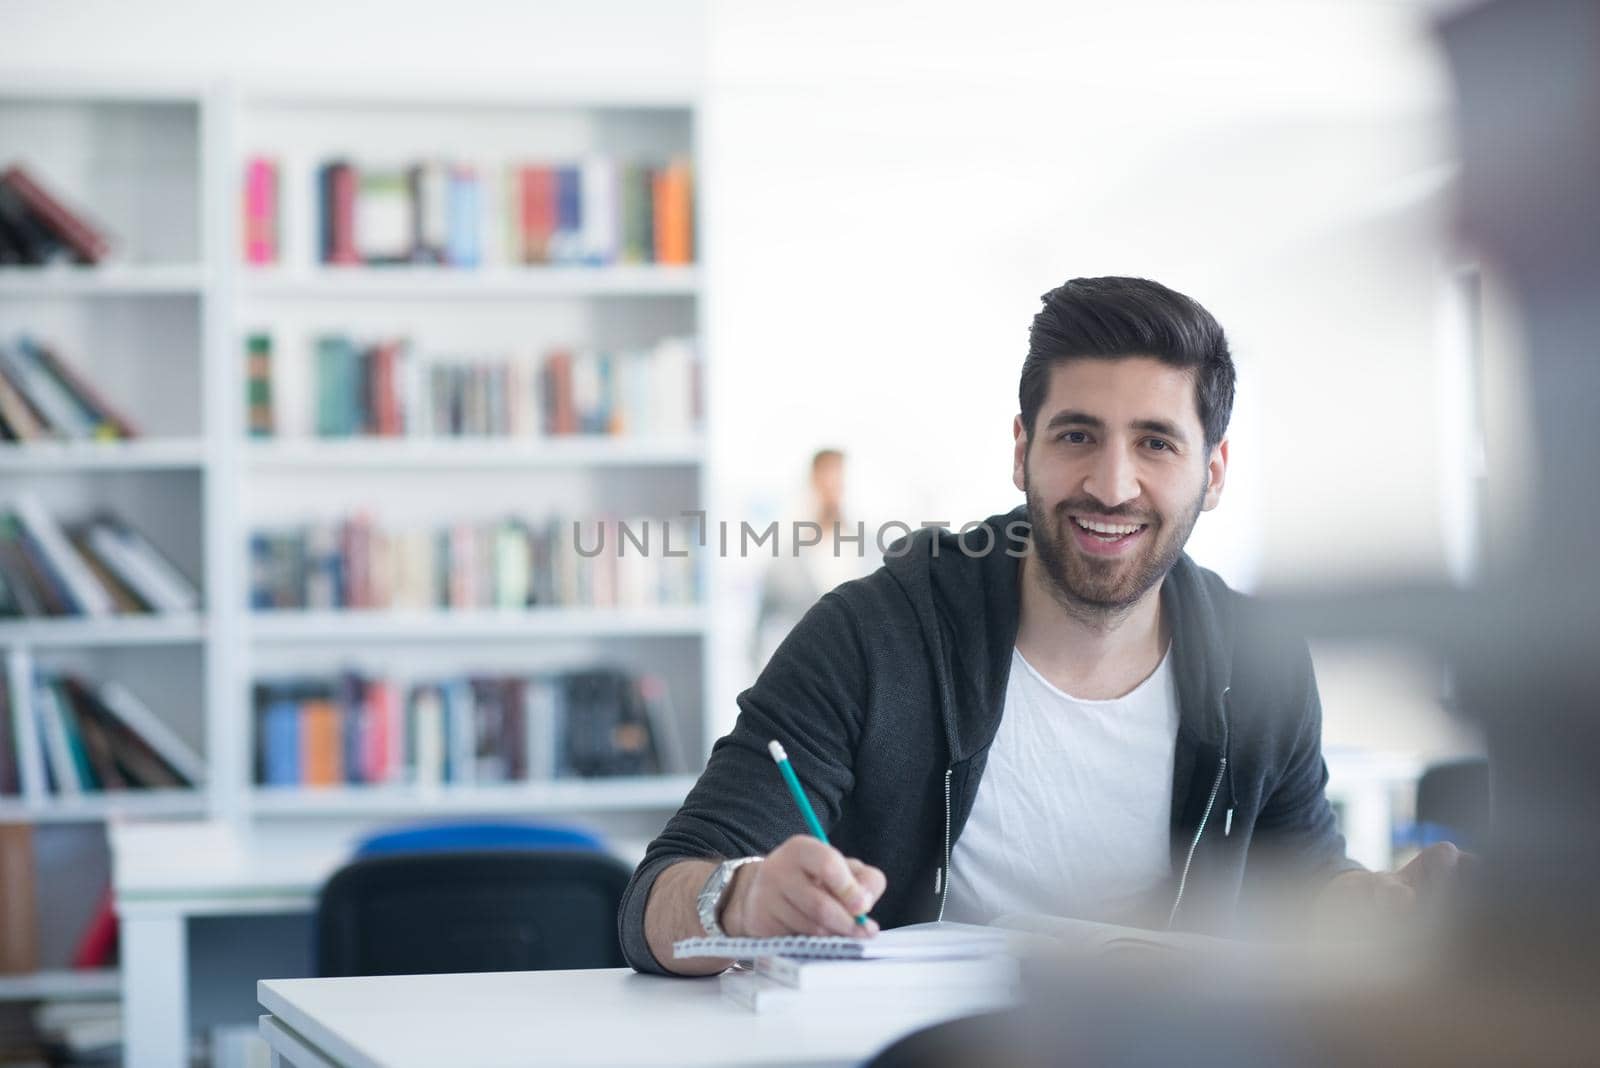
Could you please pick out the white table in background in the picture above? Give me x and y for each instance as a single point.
(608, 1016)
(165, 874)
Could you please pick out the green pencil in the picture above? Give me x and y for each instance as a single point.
(782, 760)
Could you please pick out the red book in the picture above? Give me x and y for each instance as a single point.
(377, 740)
(538, 213)
(344, 215)
(386, 387)
(97, 946)
(88, 245)
(563, 415)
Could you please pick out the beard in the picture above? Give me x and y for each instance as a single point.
(1098, 586)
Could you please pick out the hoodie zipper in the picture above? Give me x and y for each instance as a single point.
(942, 886)
(1211, 801)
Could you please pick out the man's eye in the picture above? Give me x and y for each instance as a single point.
(1160, 446)
(1074, 437)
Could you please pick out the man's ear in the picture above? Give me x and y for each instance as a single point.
(1216, 475)
(1019, 454)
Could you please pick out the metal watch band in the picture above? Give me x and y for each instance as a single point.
(709, 902)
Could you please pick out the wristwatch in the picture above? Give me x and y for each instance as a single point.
(709, 902)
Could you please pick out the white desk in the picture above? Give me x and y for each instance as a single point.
(165, 874)
(607, 1016)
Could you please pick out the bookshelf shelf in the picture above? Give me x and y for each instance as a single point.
(116, 631)
(572, 795)
(110, 281)
(357, 626)
(61, 983)
(476, 454)
(142, 454)
(421, 282)
(119, 804)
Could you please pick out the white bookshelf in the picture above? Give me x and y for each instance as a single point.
(176, 453)
(110, 280)
(410, 282)
(138, 326)
(116, 631)
(447, 454)
(62, 983)
(435, 627)
(497, 307)
(160, 330)
(568, 796)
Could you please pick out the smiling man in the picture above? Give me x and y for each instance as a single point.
(1053, 711)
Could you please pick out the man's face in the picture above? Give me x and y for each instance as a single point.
(1116, 472)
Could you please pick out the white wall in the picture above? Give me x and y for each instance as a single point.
(890, 186)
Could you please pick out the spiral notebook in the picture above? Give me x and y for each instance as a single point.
(920, 941)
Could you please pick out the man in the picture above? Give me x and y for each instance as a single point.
(1054, 711)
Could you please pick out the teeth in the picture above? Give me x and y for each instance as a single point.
(1108, 528)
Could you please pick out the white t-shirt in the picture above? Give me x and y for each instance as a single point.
(1074, 809)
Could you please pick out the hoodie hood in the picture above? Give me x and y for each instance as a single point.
(965, 590)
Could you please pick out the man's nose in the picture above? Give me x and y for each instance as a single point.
(1112, 480)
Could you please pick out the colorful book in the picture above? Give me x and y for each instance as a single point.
(258, 385)
(151, 576)
(87, 242)
(674, 217)
(85, 591)
(260, 211)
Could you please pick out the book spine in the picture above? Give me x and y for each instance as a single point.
(47, 396)
(136, 561)
(261, 211)
(20, 417)
(57, 749)
(258, 385)
(19, 916)
(321, 751)
(90, 597)
(674, 214)
(110, 422)
(465, 193)
(283, 743)
(134, 714)
(87, 243)
(344, 235)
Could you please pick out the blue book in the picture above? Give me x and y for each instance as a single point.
(566, 243)
(461, 212)
(282, 742)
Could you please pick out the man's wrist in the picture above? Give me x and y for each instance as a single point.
(730, 916)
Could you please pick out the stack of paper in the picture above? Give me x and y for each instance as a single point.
(944, 968)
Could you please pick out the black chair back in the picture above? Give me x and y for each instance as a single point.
(435, 913)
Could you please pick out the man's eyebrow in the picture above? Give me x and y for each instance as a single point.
(1068, 417)
(1162, 427)
(1071, 417)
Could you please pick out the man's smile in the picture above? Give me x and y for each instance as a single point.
(1105, 536)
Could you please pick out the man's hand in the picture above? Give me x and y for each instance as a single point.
(1362, 898)
(803, 887)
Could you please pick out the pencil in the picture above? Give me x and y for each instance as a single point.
(781, 758)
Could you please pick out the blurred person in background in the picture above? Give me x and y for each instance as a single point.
(804, 571)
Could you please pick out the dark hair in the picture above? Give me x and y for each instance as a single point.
(1118, 317)
(822, 456)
